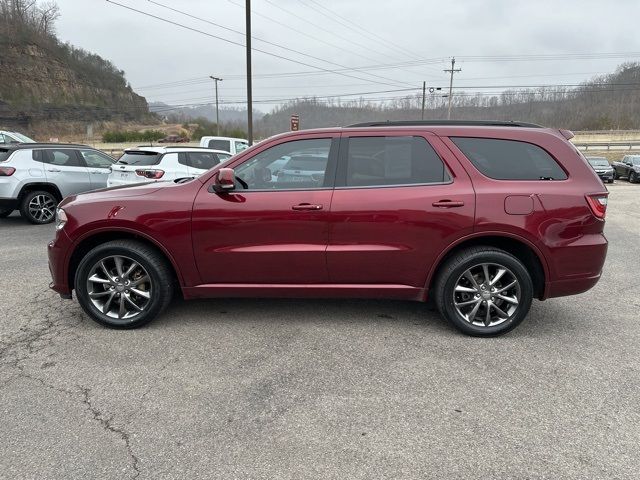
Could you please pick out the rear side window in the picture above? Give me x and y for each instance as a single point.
(224, 145)
(59, 157)
(202, 160)
(139, 158)
(379, 161)
(4, 154)
(509, 159)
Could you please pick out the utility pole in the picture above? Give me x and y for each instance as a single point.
(424, 93)
(247, 12)
(216, 80)
(452, 70)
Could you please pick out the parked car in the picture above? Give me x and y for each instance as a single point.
(152, 164)
(602, 168)
(34, 177)
(482, 217)
(13, 137)
(173, 139)
(629, 167)
(226, 144)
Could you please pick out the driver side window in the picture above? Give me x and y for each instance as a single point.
(299, 164)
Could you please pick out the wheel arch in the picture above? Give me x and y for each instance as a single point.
(33, 186)
(519, 247)
(88, 242)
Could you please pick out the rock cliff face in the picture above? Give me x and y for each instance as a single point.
(59, 82)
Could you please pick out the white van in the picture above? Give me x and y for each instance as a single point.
(226, 144)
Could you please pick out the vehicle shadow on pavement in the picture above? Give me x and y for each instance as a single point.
(302, 311)
(541, 322)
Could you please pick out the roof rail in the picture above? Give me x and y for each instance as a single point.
(444, 123)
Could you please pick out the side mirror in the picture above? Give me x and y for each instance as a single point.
(225, 180)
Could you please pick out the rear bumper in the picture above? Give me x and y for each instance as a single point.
(579, 266)
(573, 286)
(58, 250)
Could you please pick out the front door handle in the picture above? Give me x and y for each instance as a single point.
(448, 203)
(55, 170)
(307, 206)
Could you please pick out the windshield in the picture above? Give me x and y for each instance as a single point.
(22, 138)
(598, 162)
(139, 158)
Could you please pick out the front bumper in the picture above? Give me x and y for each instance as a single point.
(606, 176)
(58, 251)
(8, 203)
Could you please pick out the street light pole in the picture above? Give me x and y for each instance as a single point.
(216, 80)
(249, 95)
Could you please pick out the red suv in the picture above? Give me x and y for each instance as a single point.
(481, 217)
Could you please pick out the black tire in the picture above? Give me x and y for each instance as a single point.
(615, 175)
(633, 177)
(47, 217)
(151, 260)
(5, 213)
(454, 268)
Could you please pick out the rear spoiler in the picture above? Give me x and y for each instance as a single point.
(568, 134)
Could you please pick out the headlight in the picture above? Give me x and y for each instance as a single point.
(61, 218)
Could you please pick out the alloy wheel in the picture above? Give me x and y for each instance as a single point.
(42, 207)
(487, 294)
(119, 287)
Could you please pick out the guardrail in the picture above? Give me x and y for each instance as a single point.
(629, 145)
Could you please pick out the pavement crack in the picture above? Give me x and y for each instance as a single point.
(107, 424)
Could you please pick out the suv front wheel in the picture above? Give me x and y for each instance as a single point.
(123, 284)
(483, 291)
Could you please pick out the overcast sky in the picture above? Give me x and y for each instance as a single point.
(420, 34)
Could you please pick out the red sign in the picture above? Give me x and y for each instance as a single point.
(295, 123)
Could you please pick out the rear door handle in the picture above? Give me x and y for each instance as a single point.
(307, 206)
(55, 170)
(448, 203)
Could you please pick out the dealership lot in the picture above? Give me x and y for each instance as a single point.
(320, 389)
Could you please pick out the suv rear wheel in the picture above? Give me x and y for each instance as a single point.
(123, 284)
(483, 291)
(39, 207)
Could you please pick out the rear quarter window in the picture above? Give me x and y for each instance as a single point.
(224, 145)
(509, 159)
(4, 154)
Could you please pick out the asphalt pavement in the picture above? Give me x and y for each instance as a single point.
(293, 389)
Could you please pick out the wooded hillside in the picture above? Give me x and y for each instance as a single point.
(42, 78)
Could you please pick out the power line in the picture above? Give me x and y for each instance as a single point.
(301, 32)
(350, 23)
(350, 41)
(162, 19)
(262, 39)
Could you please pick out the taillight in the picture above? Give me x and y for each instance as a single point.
(155, 174)
(598, 204)
(6, 171)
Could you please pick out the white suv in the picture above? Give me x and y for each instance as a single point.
(152, 164)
